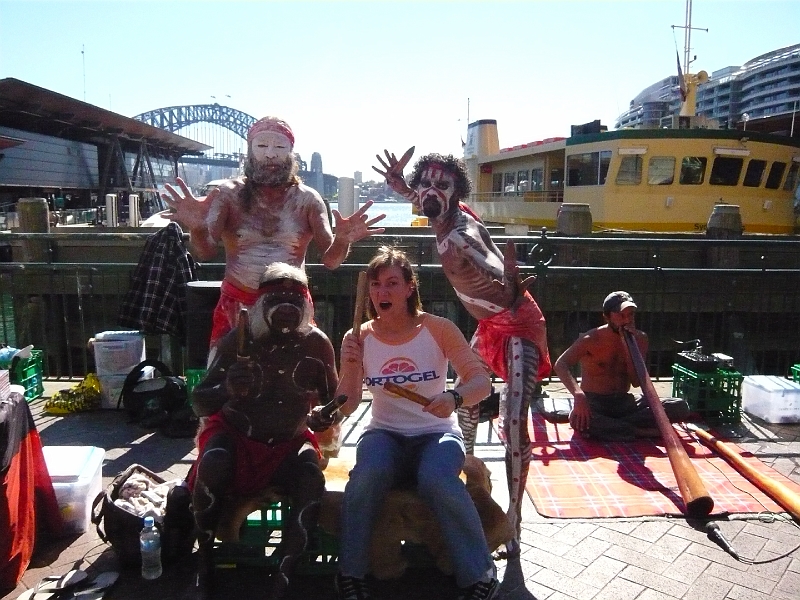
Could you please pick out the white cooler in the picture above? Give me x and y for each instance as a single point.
(77, 476)
(772, 398)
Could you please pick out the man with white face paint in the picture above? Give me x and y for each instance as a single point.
(511, 335)
(264, 217)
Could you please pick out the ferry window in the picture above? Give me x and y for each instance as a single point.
(590, 168)
(791, 178)
(537, 180)
(509, 183)
(556, 178)
(693, 170)
(754, 173)
(497, 182)
(522, 181)
(630, 170)
(726, 170)
(605, 162)
(775, 175)
(661, 170)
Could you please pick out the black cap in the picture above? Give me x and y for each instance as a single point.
(617, 301)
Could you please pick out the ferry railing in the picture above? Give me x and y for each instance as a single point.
(519, 196)
(752, 315)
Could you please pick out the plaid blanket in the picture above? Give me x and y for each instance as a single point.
(577, 478)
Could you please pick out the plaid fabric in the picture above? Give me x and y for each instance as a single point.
(577, 478)
(156, 300)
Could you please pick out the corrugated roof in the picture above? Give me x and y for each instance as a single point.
(32, 108)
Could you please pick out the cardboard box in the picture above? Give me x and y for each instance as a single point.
(118, 357)
(77, 476)
(772, 398)
(111, 387)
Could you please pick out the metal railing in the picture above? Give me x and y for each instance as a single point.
(752, 315)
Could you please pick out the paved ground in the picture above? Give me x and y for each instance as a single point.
(609, 559)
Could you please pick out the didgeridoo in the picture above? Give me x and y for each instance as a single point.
(695, 497)
(774, 489)
(405, 393)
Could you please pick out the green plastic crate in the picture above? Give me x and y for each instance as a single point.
(715, 396)
(27, 372)
(796, 373)
(259, 538)
(193, 377)
(259, 541)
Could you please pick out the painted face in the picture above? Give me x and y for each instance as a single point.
(283, 309)
(270, 147)
(390, 291)
(435, 190)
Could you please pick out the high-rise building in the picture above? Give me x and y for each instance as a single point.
(316, 180)
(766, 86)
(357, 177)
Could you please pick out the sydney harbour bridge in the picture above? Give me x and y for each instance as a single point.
(225, 130)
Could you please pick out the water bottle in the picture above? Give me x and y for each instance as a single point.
(150, 544)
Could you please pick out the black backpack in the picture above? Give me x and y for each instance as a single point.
(149, 402)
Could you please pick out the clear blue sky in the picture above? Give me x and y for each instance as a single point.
(353, 78)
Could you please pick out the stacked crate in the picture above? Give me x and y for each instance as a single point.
(715, 395)
(27, 372)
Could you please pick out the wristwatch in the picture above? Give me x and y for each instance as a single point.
(457, 397)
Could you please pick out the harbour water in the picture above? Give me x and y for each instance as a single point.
(398, 214)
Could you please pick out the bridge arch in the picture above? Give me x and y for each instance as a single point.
(173, 118)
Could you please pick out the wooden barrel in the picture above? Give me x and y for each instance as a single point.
(34, 217)
(725, 222)
(574, 219)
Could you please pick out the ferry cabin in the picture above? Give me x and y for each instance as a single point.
(660, 180)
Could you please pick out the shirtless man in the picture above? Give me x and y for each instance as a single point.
(511, 335)
(257, 407)
(264, 217)
(604, 409)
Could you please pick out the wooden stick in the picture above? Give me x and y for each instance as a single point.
(774, 489)
(406, 393)
(243, 335)
(358, 309)
(693, 491)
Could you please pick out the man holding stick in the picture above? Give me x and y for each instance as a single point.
(604, 409)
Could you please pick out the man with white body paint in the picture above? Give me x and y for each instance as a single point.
(267, 216)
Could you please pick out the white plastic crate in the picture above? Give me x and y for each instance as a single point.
(772, 398)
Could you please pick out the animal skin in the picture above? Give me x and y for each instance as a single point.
(405, 518)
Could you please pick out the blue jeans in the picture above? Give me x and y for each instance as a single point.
(434, 462)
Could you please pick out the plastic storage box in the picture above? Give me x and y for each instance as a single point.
(77, 476)
(118, 352)
(27, 372)
(772, 398)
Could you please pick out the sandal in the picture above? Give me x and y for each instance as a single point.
(97, 587)
(54, 586)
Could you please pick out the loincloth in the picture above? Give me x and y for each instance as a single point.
(492, 335)
(256, 462)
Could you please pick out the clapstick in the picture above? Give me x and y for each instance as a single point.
(406, 393)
